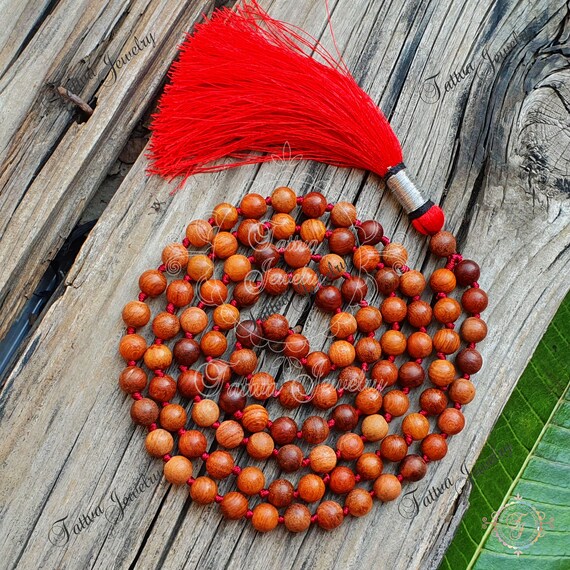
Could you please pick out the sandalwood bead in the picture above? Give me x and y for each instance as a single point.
(193, 320)
(366, 258)
(311, 488)
(232, 398)
(192, 443)
(158, 357)
(369, 401)
(352, 379)
(329, 515)
(165, 325)
(237, 267)
(393, 342)
(275, 281)
(331, 266)
(443, 244)
(413, 467)
(200, 267)
(290, 458)
(305, 281)
(199, 233)
(474, 300)
(328, 298)
(173, 417)
(225, 216)
(358, 502)
(387, 487)
(249, 333)
(253, 205)
(175, 257)
(226, 316)
(345, 417)
(393, 448)
(180, 293)
(280, 493)
(205, 413)
(133, 379)
(473, 330)
(315, 430)
(292, 394)
(394, 255)
(152, 283)
(296, 346)
(266, 256)
(350, 446)
(447, 310)
(354, 290)
(416, 426)
(441, 372)
(341, 241)
(387, 280)
(204, 490)
(451, 421)
(324, 396)
(343, 215)
(342, 353)
(177, 470)
(442, 281)
(260, 445)
(342, 325)
(412, 283)
(219, 464)
(213, 343)
(265, 517)
(385, 373)
(369, 232)
(395, 403)
(283, 430)
(462, 391)
(297, 254)
(411, 374)
(374, 427)
(419, 314)
(250, 480)
(420, 345)
(314, 205)
(229, 434)
(283, 199)
(434, 447)
(369, 466)
(467, 272)
(433, 401)
(224, 245)
(132, 347)
(255, 418)
(318, 364)
(261, 386)
(234, 505)
(136, 314)
(313, 231)
(190, 383)
(275, 327)
(159, 442)
(247, 293)
(283, 226)
(217, 372)
(213, 292)
(297, 518)
(251, 233)
(322, 459)
(393, 309)
(446, 341)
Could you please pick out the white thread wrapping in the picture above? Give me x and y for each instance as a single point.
(405, 191)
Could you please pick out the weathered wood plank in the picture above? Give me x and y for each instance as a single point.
(488, 147)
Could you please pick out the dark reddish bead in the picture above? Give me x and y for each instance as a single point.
(353, 290)
(341, 241)
(411, 374)
(345, 417)
(318, 364)
(474, 300)
(283, 430)
(217, 372)
(434, 447)
(393, 448)
(387, 280)
(290, 458)
(314, 205)
(144, 411)
(280, 493)
(342, 480)
(190, 383)
(352, 379)
(292, 394)
(413, 468)
(296, 346)
(246, 293)
(328, 298)
(315, 430)
(433, 401)
(186, 351)
(249, 333)
(266, 256)
(162, 388)
(275, 327)
(469, 360)
(132, 379)
(370, 232)
(467, 272)
(232, 399)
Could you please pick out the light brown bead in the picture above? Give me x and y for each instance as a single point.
(165, 325)
(311, 488)
(297, 518)
(159, 442)
(132, 347)
(152, 283)
(225, 216)
(297, 254)
(446, 341)
(250, 480)
(374, 427)
(132, 379)
(255, 418)
(324, 396)
(416, 426)
(180, 293)
(205, 413)
(204, 490)
(358, 502)
(243, 361)
(393, 448)
(368, 350)
(394, 255)
(329, 515)
(234, 505)
(236, 267)
(368, 401)
(318, 364)
(473, 330)
(224, 245)
(322, 459)
(342, 353)
(305, 281)
(442, 281)
(260, 445)
(200, 267)
(253, 205)
(283, 199)
(292, 394)
(177, 470)
(393, 309)
(219, 464)
(283, 226)
(366, 258)
(158, 357)
(434, 447)
(192, 443)
(252, 233)
(193, 320)
(342, 325)
(350, 446)
(226, 316)
(199, 233)
(462, 391)
(213, 343)
(441, 372)
(451, 421)
(447, 310)
(387, 487)
(213, 292)
(393, 342)
(313, 231)
(296, 346)
(332, 266)
(217, 372)
(368, 319)
(173, 417)
(229, 434)
(265, 517)
(419, 314)
(175, 257)
(420, 345)
(261, 386)
(412, 283)
(343, 215)
(369, 466)
(396, 403)
(136, 314)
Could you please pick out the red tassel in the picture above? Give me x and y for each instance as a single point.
(244, 86)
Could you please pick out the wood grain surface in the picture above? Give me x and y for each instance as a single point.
(77, 489)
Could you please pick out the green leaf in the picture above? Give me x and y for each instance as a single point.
(521, 482)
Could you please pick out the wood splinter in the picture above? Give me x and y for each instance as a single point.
(75, 99)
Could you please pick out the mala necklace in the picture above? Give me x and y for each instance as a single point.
(370, 387)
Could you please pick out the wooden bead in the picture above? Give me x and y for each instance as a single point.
(251, 233)
(297, 254)
(275, 327)
(393, 309)
(387, 487)
(175, 257)
(447, 310)
(329, 515)
(474, 300)
(132, 347)
(394, 255)
(249, 333)
(368, 319)
(152, 283)
(236, 267)
(328, 299)
(232, 398)
(190, 383)
(369, 401)
(441, 372)
(416, 426)
(412, 283)
(265, 517)
(275, 281)
(345, 417)
(473, 330)
(366, 258)
(246, 293)
(226, 316)
(343, 215)
(177, 470)
(396, 403)
(434, 447)
(443, 244)
(234, 505)
(305, 281)
(253, 205)
(393, 448)
(352, 379)
(136, 314)
(297, 518)
(442, 281)
(250, 480)
(315, 430)
(387, 280)
(296, 346)
(311, 488)
(342, 325)
(213, 343)
(204, 490)
(224, 245)
(419, 314)
(280, 493)
(385, 373)
(420, 345)
(225, 216)
(260, 445)
(132, 379)
(342, 353)
(173, 417)
(462, 391)
(219, 464)
(354, 290)
(369, 232)
(358, 502)
(350, 446)
(341, 241)
(284, 430)
(446, 341)
(283, 199)
(159, 442)
(369, 466)
(433, 401)
(283, 226)
(266, 256)
(290, 458)
(411, 374)
(342, 480)
(313, 231)
(199, 233)
(192, 444)
(229, 434)
(158, 357)
(165, 325)
(324, 396)
(255, 418)
(451, 421)
(217, 372)
(413, 468)
(374, 427)
(213, 292)
(467, 272)
(200, 267)
(180, 293)
(318, 364)
(332, 266)
(261, 386)
(322, 459)
(393, 342)
(314, 205)
(193, 320)
(292, 394)
(205, 413)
